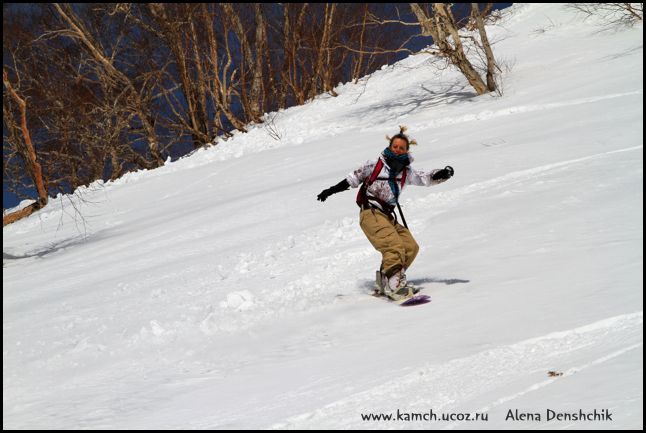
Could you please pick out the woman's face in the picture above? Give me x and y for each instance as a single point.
(399, 146)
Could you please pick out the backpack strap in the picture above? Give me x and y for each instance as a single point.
(403, 179)
(375, 172)
(362, 198)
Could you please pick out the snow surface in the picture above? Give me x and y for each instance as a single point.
(216, 292)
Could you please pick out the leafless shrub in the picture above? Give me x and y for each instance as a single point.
(612, 14)
(271, 127)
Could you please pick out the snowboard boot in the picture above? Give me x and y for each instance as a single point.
(395, 287)
(379, 288)
(405, 283)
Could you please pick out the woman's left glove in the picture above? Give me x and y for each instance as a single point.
(444, 174)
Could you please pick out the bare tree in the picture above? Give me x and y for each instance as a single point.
(177, 29)
(250, 68)
(486, 47)
(223, 79)
(292, 74)
(624, 14)
(258, 90)
(442, 27)
(77, 30)
(25, 148)
(322, 68)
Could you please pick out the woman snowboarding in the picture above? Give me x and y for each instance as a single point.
(381, 183)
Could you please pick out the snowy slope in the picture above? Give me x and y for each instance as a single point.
(216, 292)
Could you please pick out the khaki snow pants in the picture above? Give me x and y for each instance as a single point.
(392, 240)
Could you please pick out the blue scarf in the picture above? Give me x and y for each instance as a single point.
(396, 163)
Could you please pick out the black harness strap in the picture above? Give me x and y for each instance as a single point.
(363, 200)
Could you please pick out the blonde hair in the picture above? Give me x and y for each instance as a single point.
(403, 136)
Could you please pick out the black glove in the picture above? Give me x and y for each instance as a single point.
(341, 186)
(324, 195)
(444, 174)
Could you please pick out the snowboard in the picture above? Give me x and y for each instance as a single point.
(417, 299)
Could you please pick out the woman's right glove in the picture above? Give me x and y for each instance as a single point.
(341, 186)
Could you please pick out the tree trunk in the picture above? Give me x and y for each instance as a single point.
(491, 62)
(323, 55)
(440, 27)
(257, 91)
(29, 155)
(445, 19)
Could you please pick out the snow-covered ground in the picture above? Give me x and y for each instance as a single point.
(216, 292)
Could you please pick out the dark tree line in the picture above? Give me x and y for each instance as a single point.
(109, 88)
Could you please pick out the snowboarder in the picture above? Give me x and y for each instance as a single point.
(382, 182)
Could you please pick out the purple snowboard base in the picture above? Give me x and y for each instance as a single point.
(416, 300)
